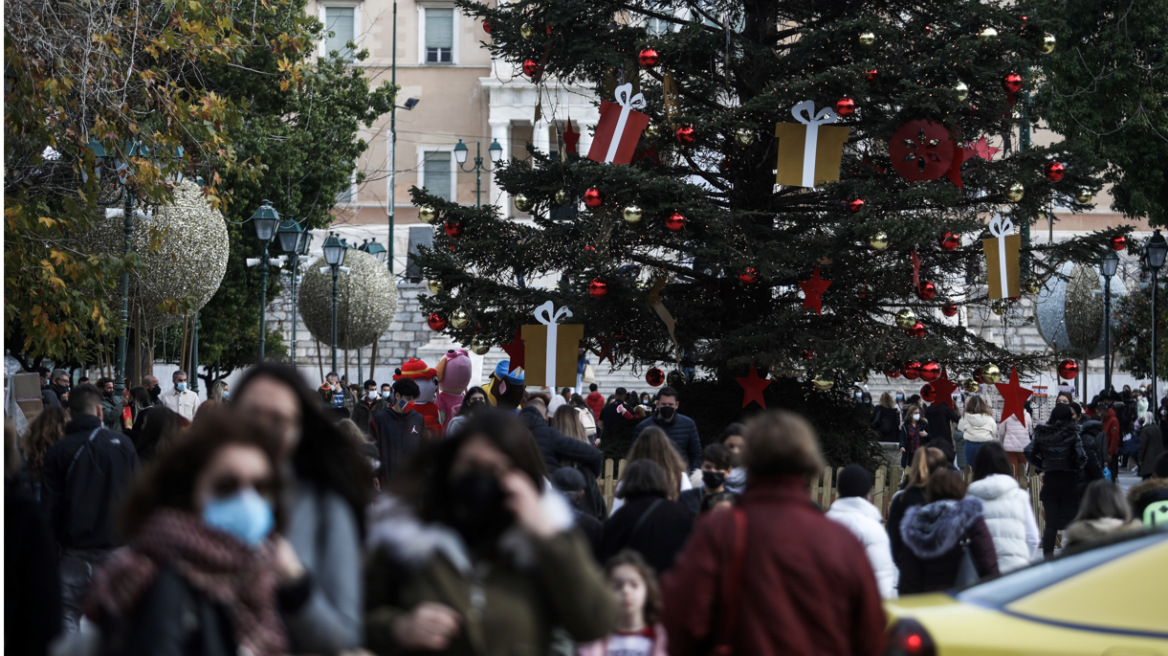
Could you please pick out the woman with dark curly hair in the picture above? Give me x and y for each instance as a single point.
(43, 432)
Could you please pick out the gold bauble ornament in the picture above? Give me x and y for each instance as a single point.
(460, 319)
(906, 319)
(987, 34)
(990, 374)
(879, 241)
(999, 307)
(744, 137)
(970, 385)
(1048, 42)
(1014, 192)
(436, 286)
(867, 39)
(962, 90)
(427, 214)
(522, 202)
(633, 214)
(1032, 286)
(525, 31)
(478, 347)
(1084, 196)
(822, 383)
(652, 132)
(563, 197)
(675, 378)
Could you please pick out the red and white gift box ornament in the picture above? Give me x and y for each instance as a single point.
(620, 128)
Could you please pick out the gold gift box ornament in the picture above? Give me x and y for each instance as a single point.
(550, 349)
(1001, 253)
(810, 150)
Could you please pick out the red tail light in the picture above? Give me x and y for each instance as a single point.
(908, 638)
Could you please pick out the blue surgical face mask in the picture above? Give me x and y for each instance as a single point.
(245, 515)
(180, 386)
(899, 397)
(226, 394)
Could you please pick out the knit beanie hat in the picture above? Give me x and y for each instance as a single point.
(854, 481)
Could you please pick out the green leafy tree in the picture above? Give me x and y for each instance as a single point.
(731, 275)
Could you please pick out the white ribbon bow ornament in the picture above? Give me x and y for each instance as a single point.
(1002, 228)
(812, 121)
(549, 316)
(627, 102)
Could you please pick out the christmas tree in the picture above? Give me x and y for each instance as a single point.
(815, 250)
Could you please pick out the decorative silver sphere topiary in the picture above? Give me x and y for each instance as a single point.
(1069, 312)
(366, 301)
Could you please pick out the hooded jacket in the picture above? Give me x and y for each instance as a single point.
(933, 535)
(1094, 445)
(1057, 447)
(1111, 432)
(1013, 434)
(864, 521)
(1010, 519)
(1151, 446)
(978, 428)
(1094, 529)
(1151, 491)
(555, 446)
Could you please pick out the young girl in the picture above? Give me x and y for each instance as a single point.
(637, 631)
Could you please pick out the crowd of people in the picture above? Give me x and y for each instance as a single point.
(277, 518)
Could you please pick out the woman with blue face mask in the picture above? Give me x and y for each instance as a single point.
(202, 566)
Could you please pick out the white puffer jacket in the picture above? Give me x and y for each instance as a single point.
(863, 520)
(1010, 519)
(978, 428)
(1013, 434)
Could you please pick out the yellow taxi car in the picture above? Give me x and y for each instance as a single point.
(1108, 601)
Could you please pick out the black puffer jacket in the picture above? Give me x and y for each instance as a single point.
(1057, 447)
(1094, 444)
(555, 446)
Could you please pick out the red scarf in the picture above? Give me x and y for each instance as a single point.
(211, 561)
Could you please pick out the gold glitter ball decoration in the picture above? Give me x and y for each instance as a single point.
(867, 39)
(479, 347)
(1048, 43)
(526, 31)
(970, 385)
(879, 241)
(675, 378)
(962, 90)
(1084, 196)
(435, 286)
(990, 374)
(987, 35)
(822, 383)
(188, 263)
(522, 203)
(563, 197)
(366, 300)
(906, 319)
(999, 307)
(1014, 192)
(744, 137)
(427, 214)
(460, 319)
(633, 214)
(1032, 286)
(652, 132)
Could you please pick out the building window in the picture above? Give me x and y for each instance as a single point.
(439, 35)
(341, 25)
(348, 193)
(437, 174)
(657, 27)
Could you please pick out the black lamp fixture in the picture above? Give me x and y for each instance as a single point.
(375, 249)
(294, 239)
(266, 219)
(1154, 253)
(334, 250)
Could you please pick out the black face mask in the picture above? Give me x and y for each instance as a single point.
(109, 394)
(479, 513)
(666, 412)
(713, 479)
(155, 391)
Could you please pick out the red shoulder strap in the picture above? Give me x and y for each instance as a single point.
(732, 587)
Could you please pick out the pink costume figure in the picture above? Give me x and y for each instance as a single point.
(454, 370)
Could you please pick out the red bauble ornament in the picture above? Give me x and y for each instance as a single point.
(930, 371)
(648, 58)
(453, 229)
(1055, 171)
(949, 309)
(1012, 82)
(530, 67)
(487, 26)
(872, 75)
(1068, 369)
(808, 355)
(593, 197)
(845, 107)
(549, 29)
(926, 290)
(911, 369)
(918, 330)
(675, 221)
(856, 205)
(928, 394)
(437, 322)
(686, 135)
(655, 377)
(1119, 243)
(598, 287)
(950, 241)
(892, 373)
(749, 277)
(921, 150)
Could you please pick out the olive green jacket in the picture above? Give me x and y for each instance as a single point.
(509, 605)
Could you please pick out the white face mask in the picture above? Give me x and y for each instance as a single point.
(916, 417)
(372, 395)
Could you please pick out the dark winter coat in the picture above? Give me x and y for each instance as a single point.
(910, 497)
(692, 498)
(363, 414)
(905, 442)
(659, 537)
(85, 475)
(807, 587)
(933, 535)
(32, 581)
(1151, 446)
(1111, 432)
(1145, 494)
(940, 418)
(398, 436)
(111, 413)
(1095, 447)
(175, 619)
(555, 446)
(1057, 451)
(887, 422)
(683, 432)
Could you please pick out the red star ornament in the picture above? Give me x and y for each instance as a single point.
(982, 149)
(516, 351)
(944, 389)
(1013, 396)
(813, 289)
(752, 387)
(571, 138)
(605, 350)
(960, 156)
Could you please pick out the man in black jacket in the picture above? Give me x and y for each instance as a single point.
(556, 446)
(682, 430)
(941, 419)
(398, 429)
(84, 477)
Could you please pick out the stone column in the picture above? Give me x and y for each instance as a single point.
(501, 131)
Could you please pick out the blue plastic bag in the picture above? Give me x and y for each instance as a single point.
(1107, 474)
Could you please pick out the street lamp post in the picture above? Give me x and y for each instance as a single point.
(334, 257)
(1110, 265)
(266, 219)
(294, 240)
(1154, 253)
(460, 152)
